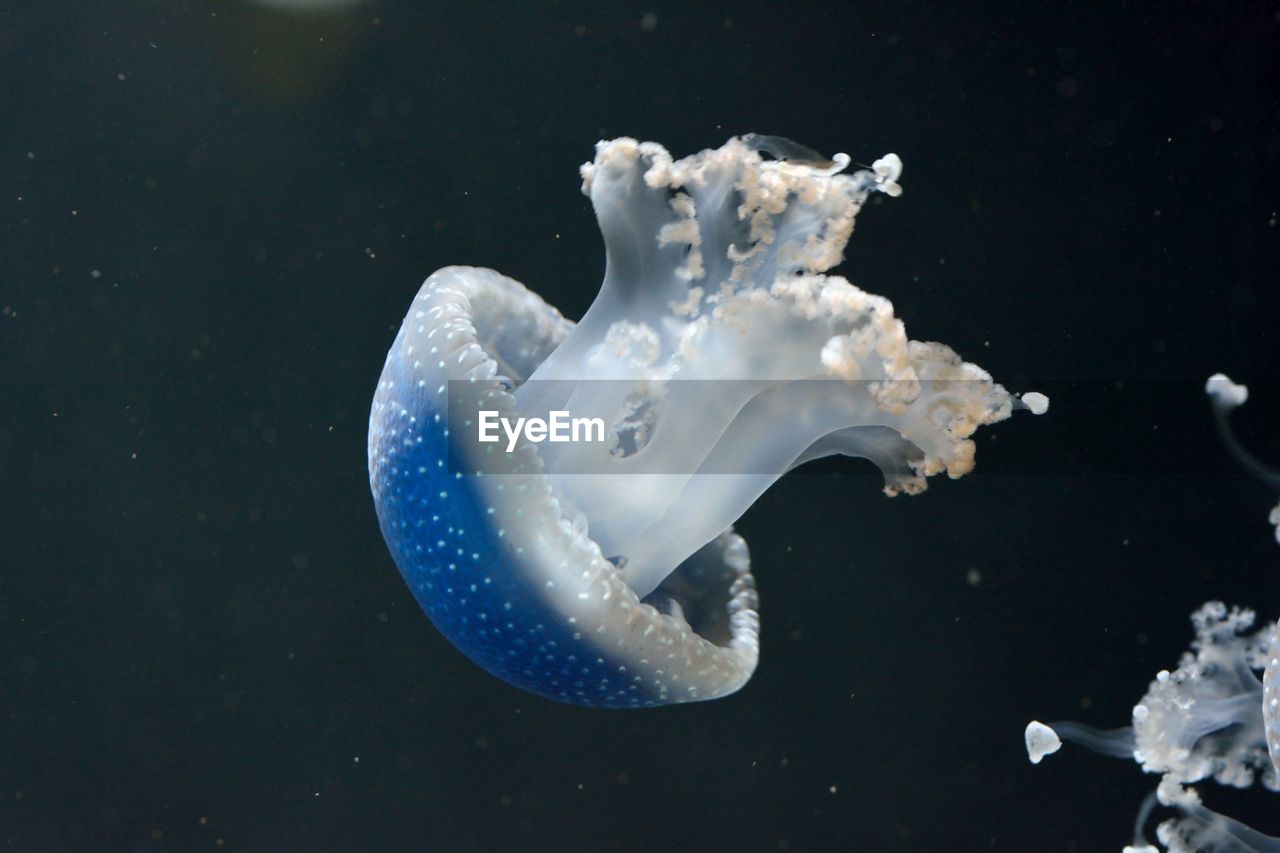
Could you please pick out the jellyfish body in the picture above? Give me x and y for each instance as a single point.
(720, 356)
(492, 559)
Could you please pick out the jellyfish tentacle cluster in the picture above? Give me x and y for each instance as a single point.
(718, 355)
(1215, 716)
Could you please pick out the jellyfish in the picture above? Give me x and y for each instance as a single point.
(717, 356)
(1215, 716)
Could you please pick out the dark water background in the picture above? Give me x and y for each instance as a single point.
(213, 217)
